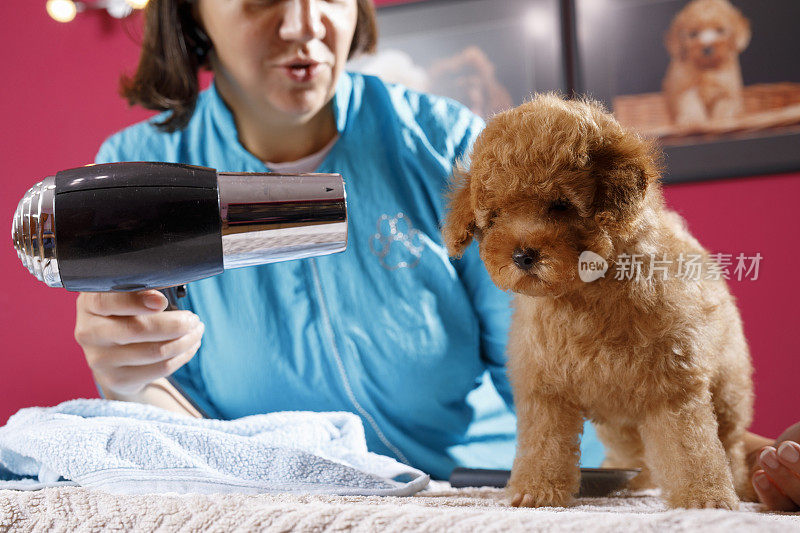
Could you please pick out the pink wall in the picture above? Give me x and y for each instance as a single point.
(749, 216)
(59, 102)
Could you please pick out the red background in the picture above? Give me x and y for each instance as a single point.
(60, 101)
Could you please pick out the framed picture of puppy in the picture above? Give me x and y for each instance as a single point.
(488, 55)
(717, 82)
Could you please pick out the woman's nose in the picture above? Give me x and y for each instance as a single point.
(302, 21)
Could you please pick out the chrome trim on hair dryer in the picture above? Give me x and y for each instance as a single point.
(33, 232)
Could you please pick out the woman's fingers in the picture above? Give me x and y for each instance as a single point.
(129, 340)
(789, 454)
(132, 379)
(146, 353)
(122, 303)
(770, 495)
(119, 330)
(778, 483)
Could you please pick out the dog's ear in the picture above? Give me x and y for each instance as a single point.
(672, 39)
(624, 171)
(459, 225)
(741, 31)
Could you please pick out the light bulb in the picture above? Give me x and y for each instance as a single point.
(119, 9)
(61, 10)
(137, 4)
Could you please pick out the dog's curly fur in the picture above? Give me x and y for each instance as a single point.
(659, 363)
(704, 80)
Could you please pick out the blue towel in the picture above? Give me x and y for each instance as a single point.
(130, 448)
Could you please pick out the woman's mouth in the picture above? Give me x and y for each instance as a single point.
(301, 71)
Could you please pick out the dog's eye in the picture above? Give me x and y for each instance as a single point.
(693, 34)
(559, 206)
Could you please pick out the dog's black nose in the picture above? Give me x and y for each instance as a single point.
(525, 259)
(708, 50)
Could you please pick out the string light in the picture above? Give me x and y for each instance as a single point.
(61, 10)
(66, 10)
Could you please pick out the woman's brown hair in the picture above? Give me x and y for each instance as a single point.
(174, 49)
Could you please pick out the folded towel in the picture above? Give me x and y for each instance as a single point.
(130, 448)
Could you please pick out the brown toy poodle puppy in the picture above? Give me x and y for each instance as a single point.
(656, 359)
(704, 80)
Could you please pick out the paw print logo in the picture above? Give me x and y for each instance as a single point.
(396, 242)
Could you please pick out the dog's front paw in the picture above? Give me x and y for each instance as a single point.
(710, 499)
(536, 483)
(539, 497)
(536, 491)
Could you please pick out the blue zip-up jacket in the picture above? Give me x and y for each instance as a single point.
(391, 329)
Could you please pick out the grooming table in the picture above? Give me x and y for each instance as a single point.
(438, 508)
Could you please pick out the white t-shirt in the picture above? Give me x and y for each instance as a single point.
(309, 163)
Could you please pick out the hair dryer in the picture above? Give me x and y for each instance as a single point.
(142, 225)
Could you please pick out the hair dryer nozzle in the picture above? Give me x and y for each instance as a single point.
(277, 217)
(33, 232)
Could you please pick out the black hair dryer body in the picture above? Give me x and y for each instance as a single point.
(144, 225)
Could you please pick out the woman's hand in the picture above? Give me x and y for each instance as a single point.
(129, 340)
(777, 475)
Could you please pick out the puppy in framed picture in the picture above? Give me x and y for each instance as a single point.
(703, 82)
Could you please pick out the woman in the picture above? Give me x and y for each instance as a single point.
(391, 329)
